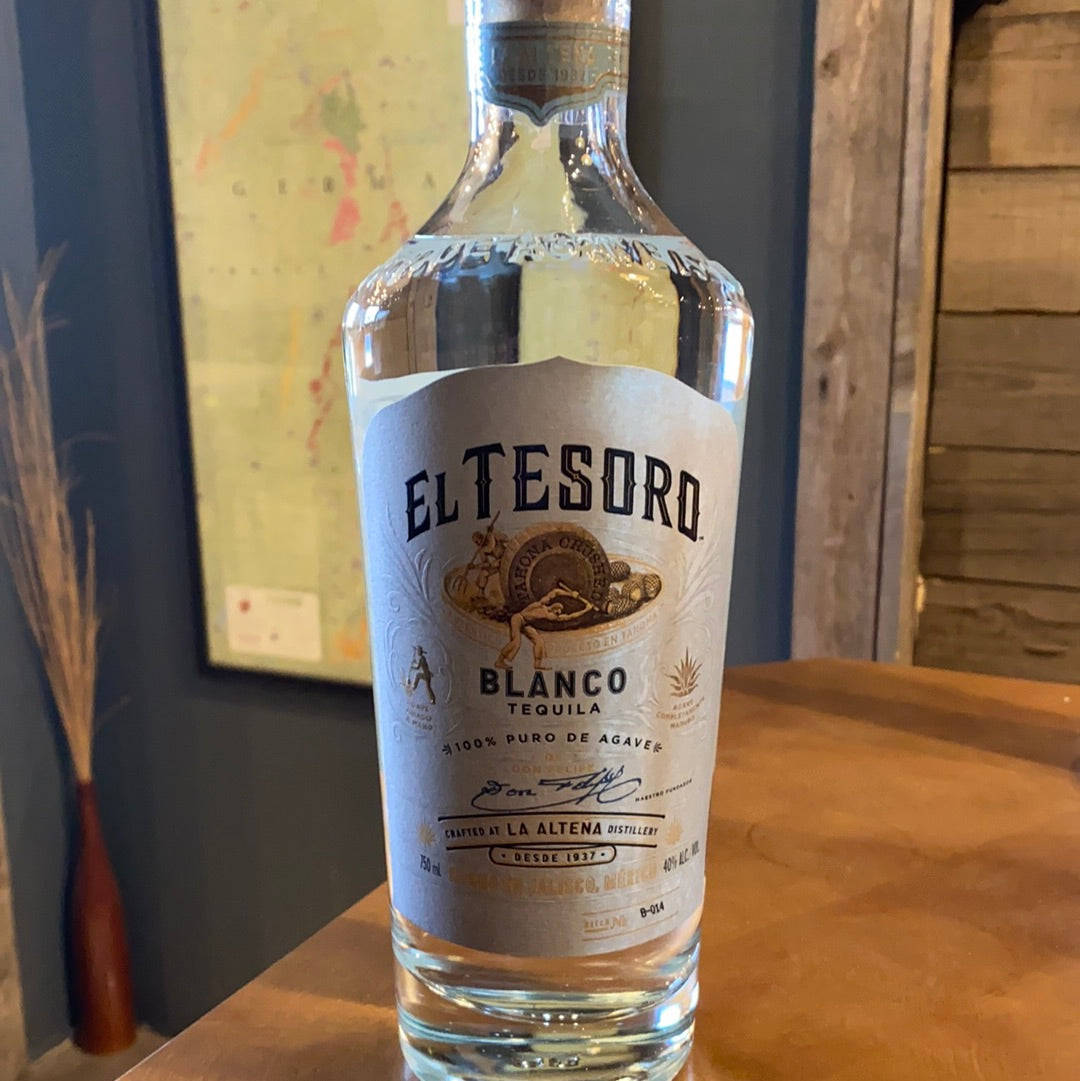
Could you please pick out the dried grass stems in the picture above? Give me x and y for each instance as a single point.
(56, 589)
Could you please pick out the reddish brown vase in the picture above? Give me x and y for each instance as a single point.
(101, 968)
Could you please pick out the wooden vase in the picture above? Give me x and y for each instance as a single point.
(101, 967)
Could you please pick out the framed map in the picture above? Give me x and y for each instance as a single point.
(307, 140)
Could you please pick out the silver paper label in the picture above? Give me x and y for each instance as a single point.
(544, 68)
(549, 559)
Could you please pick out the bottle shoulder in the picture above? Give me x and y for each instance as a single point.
(430, 262)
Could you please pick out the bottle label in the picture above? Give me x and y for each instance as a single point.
(544, 68)
(549, 557)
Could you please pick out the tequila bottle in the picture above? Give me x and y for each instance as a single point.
(548, 388)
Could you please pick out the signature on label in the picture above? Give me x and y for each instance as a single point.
(604, 786)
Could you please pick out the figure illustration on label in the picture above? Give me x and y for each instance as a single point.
(551, 578)
(548, 609)
(419, 672)
(476, 584)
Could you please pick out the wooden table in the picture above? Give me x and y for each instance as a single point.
(894, 893)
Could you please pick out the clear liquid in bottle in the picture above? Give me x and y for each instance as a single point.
(548, 247)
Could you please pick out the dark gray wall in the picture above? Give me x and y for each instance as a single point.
(31, 771)
(721, 105)
(242, 811)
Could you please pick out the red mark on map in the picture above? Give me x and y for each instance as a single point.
(396, 223)
(324, 393)
(347, 216)
(339, 115)
(345, 221)
(346, 160)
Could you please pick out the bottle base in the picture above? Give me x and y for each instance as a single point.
(626, 1016)
(656, 1055)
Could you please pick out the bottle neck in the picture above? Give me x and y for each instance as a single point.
(552, 62)
(548, 154)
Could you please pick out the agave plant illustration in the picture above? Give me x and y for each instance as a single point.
(685, 677)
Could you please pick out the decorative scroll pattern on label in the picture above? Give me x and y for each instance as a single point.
(544, 68)
(549, 561)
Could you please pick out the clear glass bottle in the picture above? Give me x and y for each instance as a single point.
(547, 246)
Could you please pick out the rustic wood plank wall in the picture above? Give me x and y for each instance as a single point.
(875, 201)
(856, 157)
(918, 252)
(1001, 553)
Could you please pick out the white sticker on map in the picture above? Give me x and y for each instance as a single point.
(273, 623)
(549, 562)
